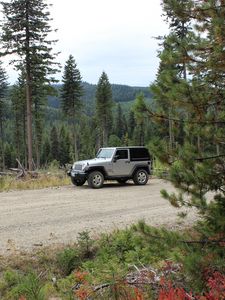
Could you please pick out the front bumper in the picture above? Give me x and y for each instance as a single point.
(77, 175)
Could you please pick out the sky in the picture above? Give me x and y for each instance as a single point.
(115, 36)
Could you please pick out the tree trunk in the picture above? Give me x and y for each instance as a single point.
(28, 91)
(25, 141)
(2, 152)
(37, 154)
(29, 119)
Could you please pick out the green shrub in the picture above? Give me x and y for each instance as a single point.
(68, 260)
(85, 243)
(30, 286)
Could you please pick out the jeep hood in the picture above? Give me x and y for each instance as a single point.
(93, 161)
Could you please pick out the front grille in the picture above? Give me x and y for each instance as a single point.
(78, 167)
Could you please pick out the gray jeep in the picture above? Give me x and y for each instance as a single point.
(117, 163)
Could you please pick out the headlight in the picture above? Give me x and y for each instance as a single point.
(85, 166)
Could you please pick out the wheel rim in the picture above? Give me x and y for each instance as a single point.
(142, 177)
(97, 180)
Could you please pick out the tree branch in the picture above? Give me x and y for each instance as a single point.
(160, 116)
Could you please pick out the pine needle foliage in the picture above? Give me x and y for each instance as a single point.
(189, 95)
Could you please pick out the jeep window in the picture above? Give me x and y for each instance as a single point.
(139, 154)
(122, 154)
(105, 153)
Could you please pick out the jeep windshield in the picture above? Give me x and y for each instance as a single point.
(105, 153)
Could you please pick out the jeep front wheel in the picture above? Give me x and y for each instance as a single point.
(77, 182)
(95, 179)
(140, 177)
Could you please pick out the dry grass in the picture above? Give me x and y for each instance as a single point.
(44, 180)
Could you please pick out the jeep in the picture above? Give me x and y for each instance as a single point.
(115, 163)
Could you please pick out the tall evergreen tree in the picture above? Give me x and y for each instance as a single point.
(54, 144)
(104, 104)
(64, 146)
(3, 89)
(131, 124)
(25, 29)
(71, 93)
(18, 100)
(139, 110)
(120, 122)
(197, 166)
(46, 152)
(174, 61)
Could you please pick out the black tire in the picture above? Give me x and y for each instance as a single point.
(95, 179)
(122, 180)
(140, 177)
(77, 182)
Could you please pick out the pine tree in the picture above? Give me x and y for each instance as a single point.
(71, 93)
(198, 103)
(3, 90)
(64, 146)
(24, 31)
(104, 104)
(131, 124)
(195, 104)
(18, 100)
(120, 122)
(46, 152)
(87, 137)
(54, 144)
(174, 61)
(139, 110)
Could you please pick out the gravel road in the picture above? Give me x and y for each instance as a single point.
(32, 219)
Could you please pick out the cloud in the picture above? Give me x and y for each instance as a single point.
(111, 35)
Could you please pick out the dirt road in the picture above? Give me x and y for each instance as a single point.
(30, 219)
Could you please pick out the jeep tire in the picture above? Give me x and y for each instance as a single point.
(95, 179)
(140, 177)
(77, 182)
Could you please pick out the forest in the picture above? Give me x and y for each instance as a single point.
(55, 130)
(180, 118)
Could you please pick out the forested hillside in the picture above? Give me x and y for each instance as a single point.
(123, 130)
(120, 93)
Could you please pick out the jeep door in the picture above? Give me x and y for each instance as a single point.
(121, 163)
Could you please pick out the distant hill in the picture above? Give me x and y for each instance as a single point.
(121, 93)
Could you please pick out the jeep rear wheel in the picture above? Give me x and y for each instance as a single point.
(95, 179)
(140, 177)
(77, 182)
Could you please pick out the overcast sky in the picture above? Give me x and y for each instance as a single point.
(111, 35)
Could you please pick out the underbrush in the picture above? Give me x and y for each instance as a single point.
(44, 179)
(140, 262)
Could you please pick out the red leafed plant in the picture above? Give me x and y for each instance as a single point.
(168, 292)
(216, 285)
